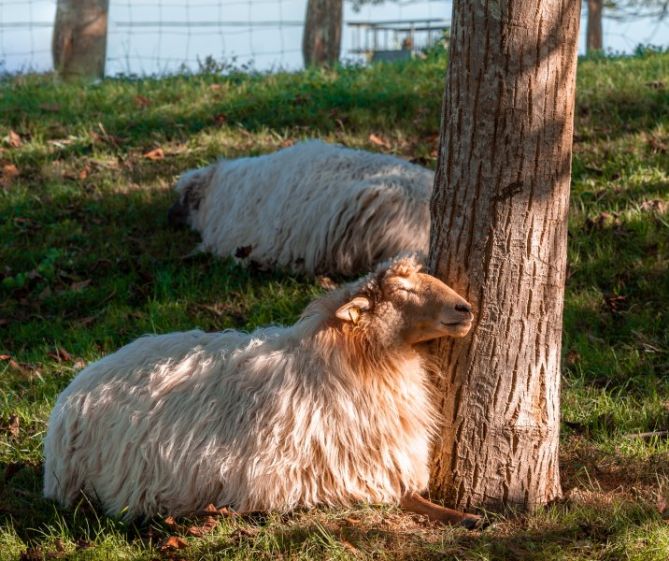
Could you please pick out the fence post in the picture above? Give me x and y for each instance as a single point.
(79, 44)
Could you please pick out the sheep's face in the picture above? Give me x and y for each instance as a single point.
(192, 189)
(410, 307)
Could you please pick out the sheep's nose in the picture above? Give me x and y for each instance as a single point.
(464, 308)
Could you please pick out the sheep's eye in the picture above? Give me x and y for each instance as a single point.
(406, 289)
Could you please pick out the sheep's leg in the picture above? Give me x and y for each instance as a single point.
(415, 503)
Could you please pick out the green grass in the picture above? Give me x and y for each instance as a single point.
(87, 263)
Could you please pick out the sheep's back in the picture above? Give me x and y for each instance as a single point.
(316, 208)
(149, 427)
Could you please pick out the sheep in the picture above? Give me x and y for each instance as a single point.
(333, 410)
(313, 208)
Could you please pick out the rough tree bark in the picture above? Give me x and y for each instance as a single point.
(321, 41)
(594, 40)
(499, 233)
(79, 45)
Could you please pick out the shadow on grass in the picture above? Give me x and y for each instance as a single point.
(98, 269)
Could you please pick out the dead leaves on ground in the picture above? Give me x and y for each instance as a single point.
(155, 154)
(204, 523)
(13, 139)
(379, 141)
(27, 370)
(12, 426)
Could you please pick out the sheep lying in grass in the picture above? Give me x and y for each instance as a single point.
(332, 410)
(312, 208)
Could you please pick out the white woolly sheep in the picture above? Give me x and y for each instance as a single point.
(333, 410)
(313, 208)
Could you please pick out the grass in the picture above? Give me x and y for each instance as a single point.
(87, 263)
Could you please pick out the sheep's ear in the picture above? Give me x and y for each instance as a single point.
(351, 310)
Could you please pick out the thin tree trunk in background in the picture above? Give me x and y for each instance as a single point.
(594, 40)
(79, 45)
(321, 41)
(499, 233)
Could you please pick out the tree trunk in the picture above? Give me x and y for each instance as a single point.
(594, 31)
(79, 45)
(321, 41)
(499, 233)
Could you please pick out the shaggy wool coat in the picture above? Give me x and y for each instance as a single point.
(275, 419)
(313, 208)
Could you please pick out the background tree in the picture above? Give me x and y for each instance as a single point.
(321, 41)
(593, 36)
(622, 10)
(499, 233)
(79, 45)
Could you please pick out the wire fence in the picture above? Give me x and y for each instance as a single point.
(154, 37)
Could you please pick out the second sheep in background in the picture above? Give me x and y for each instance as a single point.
(313, 208)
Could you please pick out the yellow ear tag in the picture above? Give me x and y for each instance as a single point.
(354, 314)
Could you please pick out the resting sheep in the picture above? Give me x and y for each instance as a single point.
(313, 208)
(332, 410)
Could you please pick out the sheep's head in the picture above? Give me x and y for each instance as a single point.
(192, 188)
(399, 304)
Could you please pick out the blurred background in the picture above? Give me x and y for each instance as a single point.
(158, 37)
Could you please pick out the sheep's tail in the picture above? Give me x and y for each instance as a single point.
(62, 480)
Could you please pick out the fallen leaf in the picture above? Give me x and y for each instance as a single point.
(32, 554)
(220, 119)
(5, 357)
(9, 172)
(170, 522)
(215, 87)
(172, 543)
(326, 282)
(350, 547)
(13, 426)
(378, 140)
(655, 205)
(60, 547)
(211, 510)
(79, 364)
(80, 285)
(247, 532)
(288, 142)
(60, 354)
(208, 524)
(155, 154)
(14, 139)
(83, 173)
(30, 371)
(81, 543)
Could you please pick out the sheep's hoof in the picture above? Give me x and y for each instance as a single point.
(474, 522)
